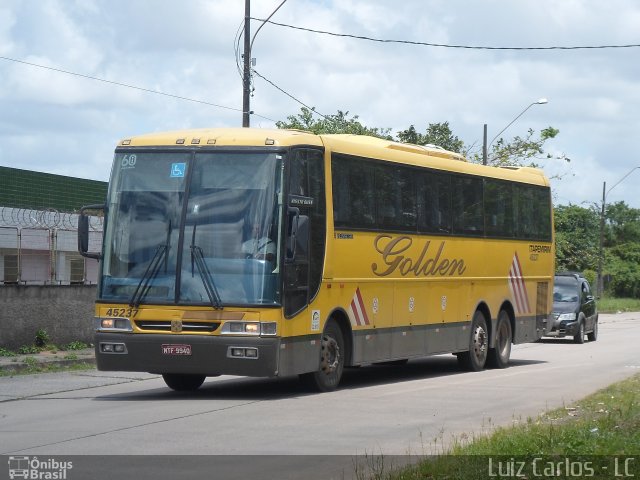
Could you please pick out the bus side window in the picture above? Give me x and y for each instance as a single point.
(468, 210)
(498, 208)
(434, 203)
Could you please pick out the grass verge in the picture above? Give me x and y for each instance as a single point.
(614, 305)
(597, 437)
(31, 366)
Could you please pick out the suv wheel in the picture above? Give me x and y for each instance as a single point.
(579, 337)
(593, 336)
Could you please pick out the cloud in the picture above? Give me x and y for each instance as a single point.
(66, 124)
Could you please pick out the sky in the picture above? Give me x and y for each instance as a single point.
(66, 124)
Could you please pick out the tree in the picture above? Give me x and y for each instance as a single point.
(577, 237)
(521, 151)
(439, 134)
(623, 270)
(577, 244)
(622, 255)
(623, 223)
(339, 123)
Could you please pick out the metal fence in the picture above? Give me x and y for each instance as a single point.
(40, 248)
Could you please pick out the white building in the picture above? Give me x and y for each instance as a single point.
(41, 247)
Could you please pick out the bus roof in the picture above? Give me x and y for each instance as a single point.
(430, 156)
(253, 137)
(427, 156)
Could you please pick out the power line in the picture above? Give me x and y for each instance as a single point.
(288, 94)
(236, 48)
(443, 45)
(120, 84)
(238, 58)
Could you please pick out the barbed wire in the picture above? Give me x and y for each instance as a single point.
(49, 218)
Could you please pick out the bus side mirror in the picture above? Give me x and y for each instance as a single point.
(297, 234)
(293, 217)
(302, 238)
(83, 232)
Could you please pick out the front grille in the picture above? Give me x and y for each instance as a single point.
(188, 326)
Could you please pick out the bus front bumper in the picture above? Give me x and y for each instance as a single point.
(187, 354)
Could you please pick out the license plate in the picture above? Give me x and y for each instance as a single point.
(176, 349)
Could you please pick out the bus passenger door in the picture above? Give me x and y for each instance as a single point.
(305, 229)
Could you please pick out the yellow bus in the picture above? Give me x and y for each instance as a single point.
(277, 252)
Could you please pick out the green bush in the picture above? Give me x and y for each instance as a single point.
(624, 278)
(42, 338)
(75, 345)
(592, 277)
(28, 349)
(6, 353)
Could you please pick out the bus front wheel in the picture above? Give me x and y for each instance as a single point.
(475, 358)
(182, 382)
(332, 357)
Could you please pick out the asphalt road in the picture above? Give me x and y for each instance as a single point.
(413, 410)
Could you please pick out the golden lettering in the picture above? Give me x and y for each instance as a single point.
(393, 251)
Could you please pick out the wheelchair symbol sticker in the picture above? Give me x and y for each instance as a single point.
(178, 169)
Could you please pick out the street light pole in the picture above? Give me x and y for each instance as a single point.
(600, 286)
(486, 147)
(605, 192)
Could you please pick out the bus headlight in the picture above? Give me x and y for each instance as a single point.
(117, 348)
(250, 328)
(269, 328)
(243, 352)
(241, 328)
(113, 325)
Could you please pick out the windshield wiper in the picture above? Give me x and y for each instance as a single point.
(149, 274)
(205, 275)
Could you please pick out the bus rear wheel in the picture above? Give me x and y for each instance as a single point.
(475, 358)
(183, 382)
(332, 358)
(500, 354)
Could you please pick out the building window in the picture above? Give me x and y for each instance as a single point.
(11, 269)
(76, 270)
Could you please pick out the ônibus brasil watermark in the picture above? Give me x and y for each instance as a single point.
(34, 468)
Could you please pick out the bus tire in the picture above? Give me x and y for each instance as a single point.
(332, 358)
(500, 354)
(183, 382)
(475, 358)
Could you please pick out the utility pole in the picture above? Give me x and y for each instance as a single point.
(602, 212)
(246, 77)
(484, 145)
(600, 282)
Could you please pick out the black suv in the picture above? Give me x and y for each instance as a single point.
(574, 308)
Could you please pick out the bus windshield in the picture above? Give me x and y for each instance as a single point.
(199, 228)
